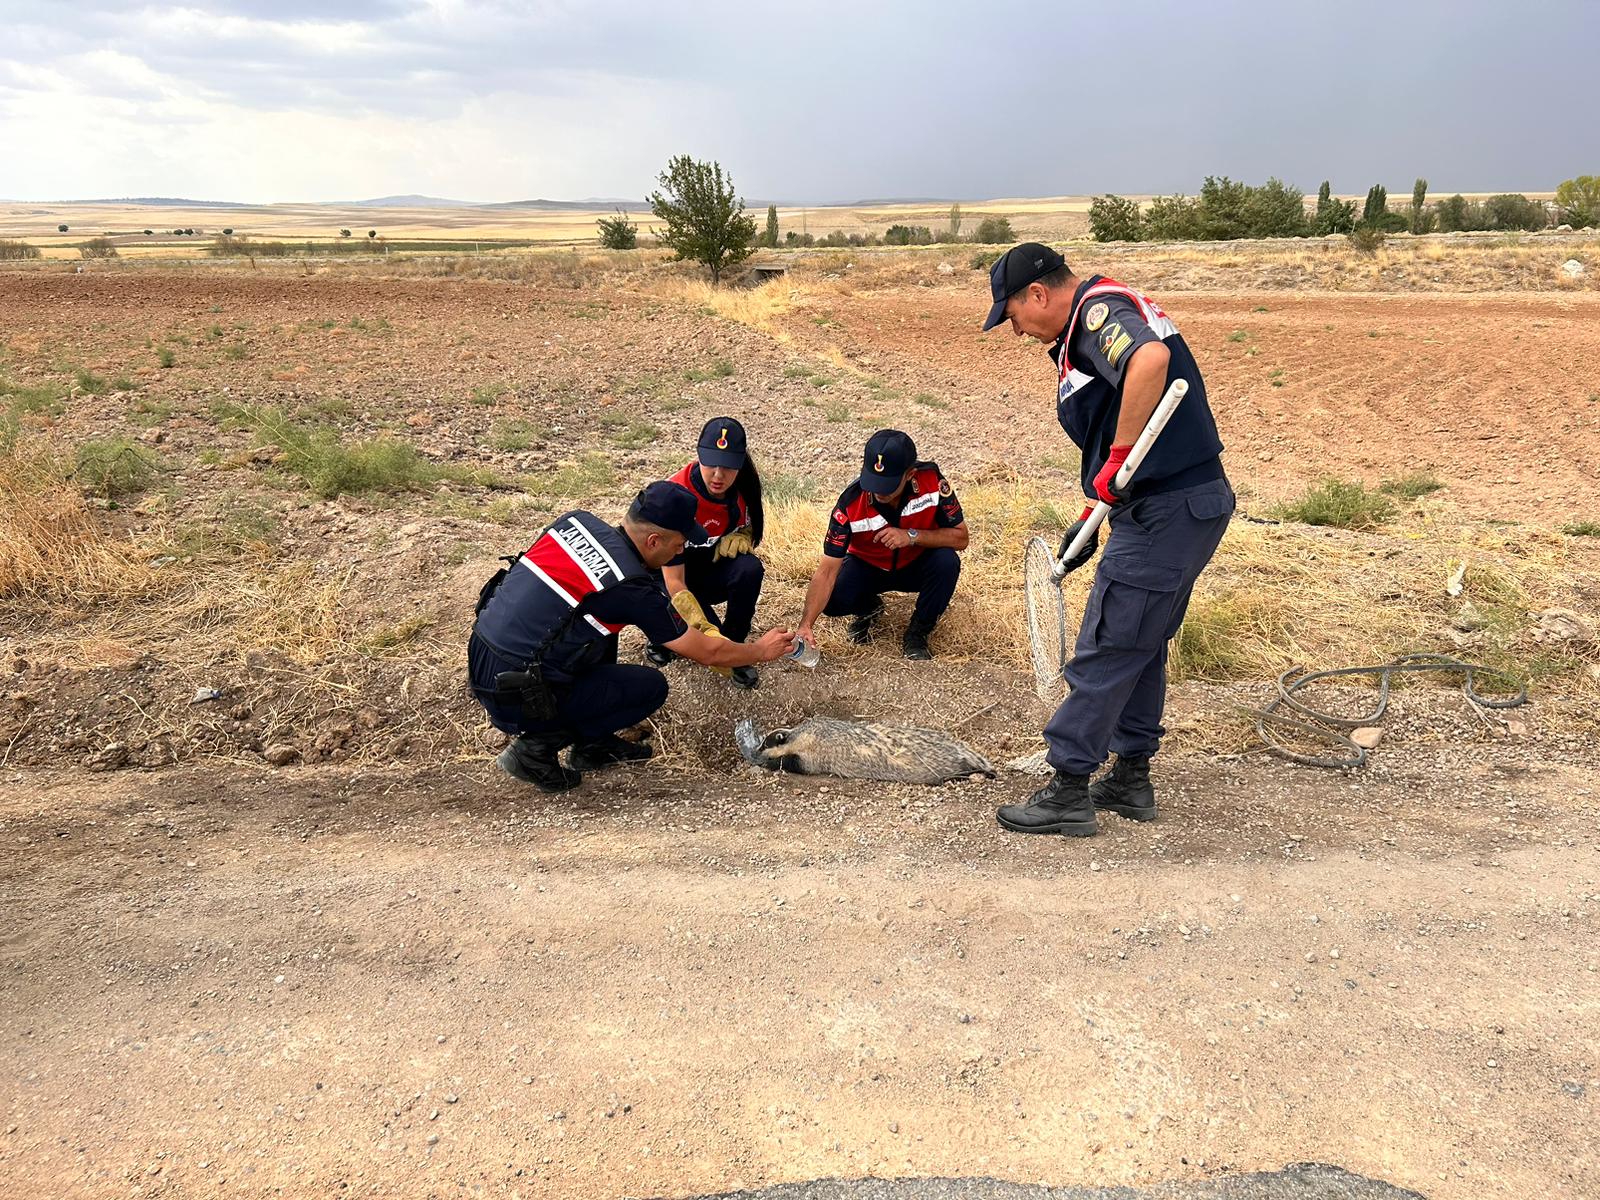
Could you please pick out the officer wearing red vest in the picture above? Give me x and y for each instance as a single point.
(542, 659)
(724, 569)
(898, 528)
(1115, 354)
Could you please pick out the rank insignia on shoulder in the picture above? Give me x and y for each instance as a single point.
(1095, 317)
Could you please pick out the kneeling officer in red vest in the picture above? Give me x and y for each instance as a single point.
(542, 659)
(896, 529)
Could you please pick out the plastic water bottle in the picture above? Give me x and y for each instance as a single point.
(805, 653)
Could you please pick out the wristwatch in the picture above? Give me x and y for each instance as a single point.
(912, 534)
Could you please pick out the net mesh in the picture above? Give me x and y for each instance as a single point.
(1047, 620)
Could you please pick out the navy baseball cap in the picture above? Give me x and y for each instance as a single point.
(722, 443)
(889, 455)
(1015, 270)
(671, 506)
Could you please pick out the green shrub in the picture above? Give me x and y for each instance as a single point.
(1345, 504)
(1367, 239)
(1114, 219)
(982, 260)
(11, 251)
(618, 233)
(1413, 486)
(993, 231)
(908, 235)
(100, 247)
(720, 368)
(326, 464)
(512, 435)
(1582, 529)
(1172, 219)
(89, 383)
(165, 356)
(114, 467)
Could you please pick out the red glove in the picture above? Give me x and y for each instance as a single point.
(1105, 484)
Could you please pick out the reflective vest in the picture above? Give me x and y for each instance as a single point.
(1088, 406)
(919, 509)
(715, 516)
(538, 612)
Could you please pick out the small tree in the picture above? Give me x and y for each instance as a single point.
(618, 233)
(1114, 219)
(1514, 211)
(992, 231)
(372, 233)
(1579, 201)
(99, 247)
(1376, 207)
(61, 228)
(149, 233)
(955, 222)
(1333, 215)
(1422, 221)
(227, 232)
(1453, 213)
(703, 214)
(344, 233)
(771, 239)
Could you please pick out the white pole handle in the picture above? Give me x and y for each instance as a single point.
(1152, 430)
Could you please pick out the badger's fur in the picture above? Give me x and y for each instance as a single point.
(860, 750)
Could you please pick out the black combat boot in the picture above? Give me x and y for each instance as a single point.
(1060, 806)
(859, 630)
(915, 642)
(1126, 790)
(596, 754)
(533, 759)
(658, 656)
(746, 678)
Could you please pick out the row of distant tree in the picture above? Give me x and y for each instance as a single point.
(1227, 208)
(703, 218)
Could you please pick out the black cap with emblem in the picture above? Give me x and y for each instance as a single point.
(671, 506)
(888, 456)
(1015, 270)
(722, 443)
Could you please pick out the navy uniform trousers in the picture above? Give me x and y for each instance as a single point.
(603, 699)
(736, 581)
(1118, 674)
(932, 575)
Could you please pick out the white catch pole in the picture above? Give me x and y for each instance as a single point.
(1152, 430)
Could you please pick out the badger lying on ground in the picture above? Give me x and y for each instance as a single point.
(860, 750)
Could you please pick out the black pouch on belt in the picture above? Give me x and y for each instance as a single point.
(528, 689)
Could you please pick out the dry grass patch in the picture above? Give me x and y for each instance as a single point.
(53, 546)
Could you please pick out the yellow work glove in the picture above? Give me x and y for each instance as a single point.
(730, 545)
(695, 616)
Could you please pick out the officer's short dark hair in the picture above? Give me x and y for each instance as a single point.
(1057, 278)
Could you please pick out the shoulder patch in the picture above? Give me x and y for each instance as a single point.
(945, 489)
(1095, 317)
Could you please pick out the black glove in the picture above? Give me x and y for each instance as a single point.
(1084, 555)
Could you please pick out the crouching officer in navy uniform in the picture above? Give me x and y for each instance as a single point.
(1116, 353)
(542, 659)
(898, 528)
(724, 568)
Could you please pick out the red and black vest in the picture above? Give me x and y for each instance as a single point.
(717, 515)
(919, 509)
(539, 611)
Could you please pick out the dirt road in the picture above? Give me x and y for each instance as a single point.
(252, 983)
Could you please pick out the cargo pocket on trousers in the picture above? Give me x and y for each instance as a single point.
(1136, 603)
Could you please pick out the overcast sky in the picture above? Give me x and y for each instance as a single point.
(280, 100)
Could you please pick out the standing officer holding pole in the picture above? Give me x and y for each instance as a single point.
(1116, 353)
